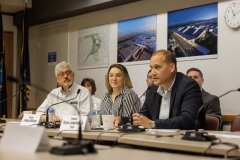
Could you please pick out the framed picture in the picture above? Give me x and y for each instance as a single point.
(93, 47)
(193, 32)
(136, 40)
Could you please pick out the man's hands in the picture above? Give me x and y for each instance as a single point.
(56, 118)
(140, 120)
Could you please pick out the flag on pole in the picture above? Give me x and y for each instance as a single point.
(3, 85)
(25, 84)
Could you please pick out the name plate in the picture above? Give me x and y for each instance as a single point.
(71, 123)
(30, 120)
(24, 138)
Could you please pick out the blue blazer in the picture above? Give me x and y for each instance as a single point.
(186, 99)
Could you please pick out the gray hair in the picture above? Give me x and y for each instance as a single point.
(61, 65)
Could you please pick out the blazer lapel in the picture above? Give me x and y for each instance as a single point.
(174, 90)
(156, 107)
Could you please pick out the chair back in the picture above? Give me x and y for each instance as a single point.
(213, 122)
(236, 124)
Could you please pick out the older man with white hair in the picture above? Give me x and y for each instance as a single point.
(67, 90)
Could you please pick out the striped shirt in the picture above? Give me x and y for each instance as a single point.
(125, 104)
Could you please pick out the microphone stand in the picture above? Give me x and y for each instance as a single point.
(196, 135)
(47, 123)
(78, 146)
(2, 120)
(202, 136)
(129, 127)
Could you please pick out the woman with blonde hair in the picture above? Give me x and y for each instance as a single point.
(120, 100)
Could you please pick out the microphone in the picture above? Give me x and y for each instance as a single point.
(16, 80)
(47, 116)
(129, 127)
(12, 96)
(4, 121)
(71, 147)
(229, 92)
(202, 136)
(78, 146)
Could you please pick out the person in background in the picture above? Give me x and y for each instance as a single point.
(149, 82)
(174, 99)
(120, 100)
(213, 103)
(89, 83)
(81, 104)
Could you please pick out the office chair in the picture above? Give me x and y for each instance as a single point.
(235, 124)
(213, 122)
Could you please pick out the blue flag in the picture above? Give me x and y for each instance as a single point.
(3, 85)
(25, 85)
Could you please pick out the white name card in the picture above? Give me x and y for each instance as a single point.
(24, 138)
(30, 120)
(71, 123)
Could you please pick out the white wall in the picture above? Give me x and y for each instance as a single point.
(8, 26)
(220, 74)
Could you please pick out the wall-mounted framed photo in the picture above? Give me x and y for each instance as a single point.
(136, 40)
(193, 32)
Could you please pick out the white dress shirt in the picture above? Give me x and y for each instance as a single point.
(165, 103)
(81, 104)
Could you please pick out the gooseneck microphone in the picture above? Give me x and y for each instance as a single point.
(4, 121)
(229, 92)
(72, 147)
(12, 96)
(129, 127)
(16, 80)
(47, 116)
(202, 136)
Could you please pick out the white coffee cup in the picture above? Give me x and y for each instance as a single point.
(107, 121)
(27, 112)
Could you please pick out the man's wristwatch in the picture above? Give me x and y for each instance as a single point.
(152, 124)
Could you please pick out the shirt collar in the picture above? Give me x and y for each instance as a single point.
(69, 89)
(123, 92)
(160, 89)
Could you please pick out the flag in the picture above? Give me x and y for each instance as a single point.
(25, 84)
(3, 85)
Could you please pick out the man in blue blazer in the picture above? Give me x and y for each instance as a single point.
(174, 99)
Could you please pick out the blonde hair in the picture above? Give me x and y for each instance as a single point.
(126, 79)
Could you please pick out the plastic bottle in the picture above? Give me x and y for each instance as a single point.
(51, 112)
(95, 116)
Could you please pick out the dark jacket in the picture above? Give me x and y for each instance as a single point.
(186, 99)
(212, 103)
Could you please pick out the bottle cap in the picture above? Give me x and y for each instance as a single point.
(51, 110)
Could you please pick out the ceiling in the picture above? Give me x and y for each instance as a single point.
(42, 11)
(13, 6)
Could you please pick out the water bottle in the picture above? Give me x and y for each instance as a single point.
(51, 112)
(95, 116)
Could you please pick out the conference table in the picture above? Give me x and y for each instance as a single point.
(103, 153)
(164, 140)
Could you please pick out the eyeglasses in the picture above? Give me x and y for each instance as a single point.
(61, 74)
(149, 77)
